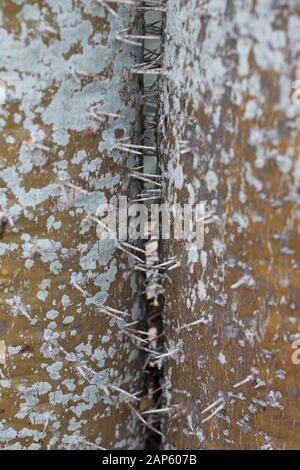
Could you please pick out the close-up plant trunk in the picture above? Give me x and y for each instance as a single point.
(180, 332)
(66, 358)
(231, 140)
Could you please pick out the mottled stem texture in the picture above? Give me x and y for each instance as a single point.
(64, 358)
(228, 132)
(233, 308)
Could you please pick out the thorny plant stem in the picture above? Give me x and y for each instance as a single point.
(150, 340)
